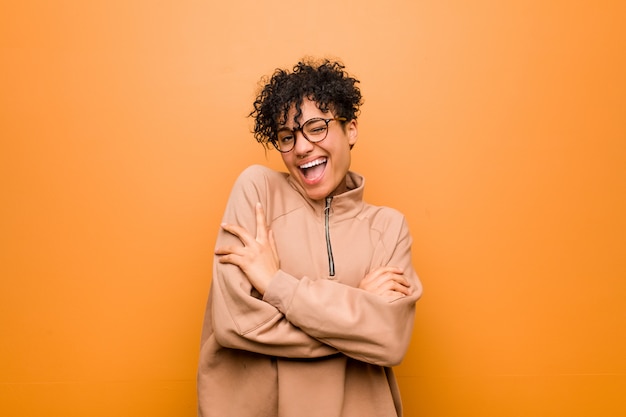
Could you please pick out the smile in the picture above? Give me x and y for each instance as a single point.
(314, 169)
(311, 164)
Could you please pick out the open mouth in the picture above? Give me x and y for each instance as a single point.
(314, 169)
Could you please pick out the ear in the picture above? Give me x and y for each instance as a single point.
(352, 130)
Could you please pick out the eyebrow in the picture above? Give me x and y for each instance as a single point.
(284, 127)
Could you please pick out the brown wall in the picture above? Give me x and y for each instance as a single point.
(498, 128)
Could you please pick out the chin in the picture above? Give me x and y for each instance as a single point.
(316, 196)
(316, 193)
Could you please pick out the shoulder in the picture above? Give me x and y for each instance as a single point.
(261, 175)
(385, 219)
(258, 180)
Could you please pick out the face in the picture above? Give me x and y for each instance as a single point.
(320, 168)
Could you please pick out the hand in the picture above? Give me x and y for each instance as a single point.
(386, 281)
(258, 257)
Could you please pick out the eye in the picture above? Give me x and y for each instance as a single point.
(285, 137)
(316, 127)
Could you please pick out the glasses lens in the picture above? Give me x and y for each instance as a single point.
(315, 130)
(284, 140)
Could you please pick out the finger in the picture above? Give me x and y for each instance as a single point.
(240, 232)
(394, 270)
(378, 276)
(387, 276)
(227, 250)
(392, 281)
(273, 245)
(230, 259)
(385, 285)
(401, 279)
(384, 270)
(402, 284)
(390, 268)
(393, 295)
(261, 227)
(374, 275)
(401, 289)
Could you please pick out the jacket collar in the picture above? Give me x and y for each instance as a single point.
(346, 205)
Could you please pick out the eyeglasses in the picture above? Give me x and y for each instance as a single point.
(314, 130)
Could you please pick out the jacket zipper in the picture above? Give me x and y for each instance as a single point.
(329, 249)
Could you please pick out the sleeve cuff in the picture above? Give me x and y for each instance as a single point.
(281, 290)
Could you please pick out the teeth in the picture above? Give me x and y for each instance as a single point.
(313, 163)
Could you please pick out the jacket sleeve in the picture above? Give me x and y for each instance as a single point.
(359, 324)
(241, 319)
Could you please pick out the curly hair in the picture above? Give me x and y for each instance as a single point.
(326, 83)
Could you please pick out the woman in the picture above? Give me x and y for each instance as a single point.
(313, 292)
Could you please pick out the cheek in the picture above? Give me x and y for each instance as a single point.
(343, 155)
(288, 162)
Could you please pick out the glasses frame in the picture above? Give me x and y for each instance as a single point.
(301, 129)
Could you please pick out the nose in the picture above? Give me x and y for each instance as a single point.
(302, 146)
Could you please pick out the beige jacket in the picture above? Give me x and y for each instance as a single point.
(314, 345)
